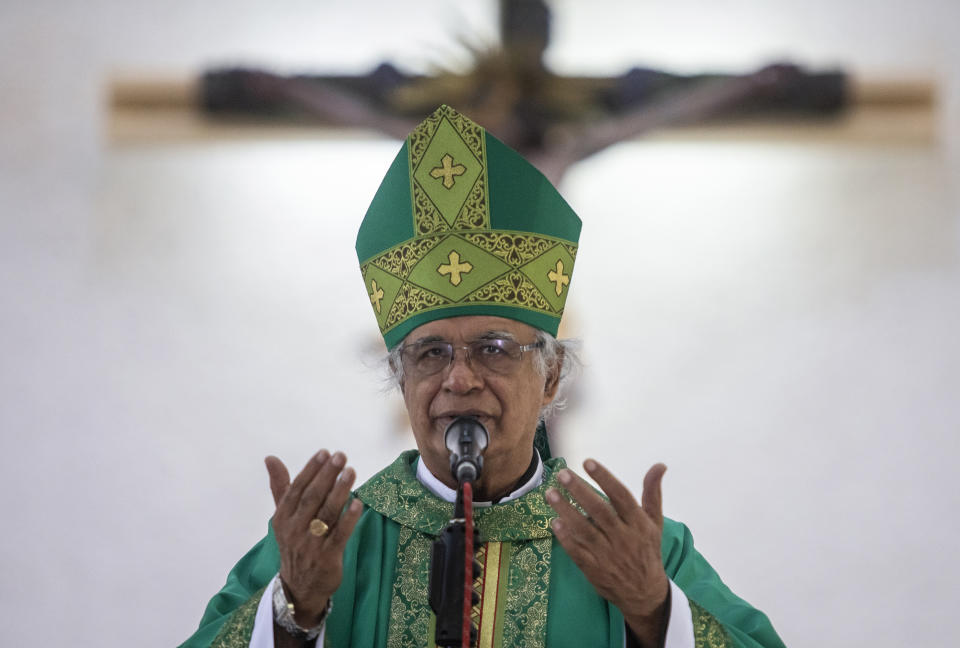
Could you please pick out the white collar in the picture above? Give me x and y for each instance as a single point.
(447, 494)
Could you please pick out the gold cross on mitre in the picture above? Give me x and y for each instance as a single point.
(557, 277)
(447, 172)
(376, 295)
(455, 268)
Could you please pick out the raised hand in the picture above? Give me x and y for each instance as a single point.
(617, 544)
(311, 556)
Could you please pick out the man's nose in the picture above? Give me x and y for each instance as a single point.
(462, 375)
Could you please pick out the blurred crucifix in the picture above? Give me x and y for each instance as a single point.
(553, 120)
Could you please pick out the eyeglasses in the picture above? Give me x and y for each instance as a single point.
(496, 355)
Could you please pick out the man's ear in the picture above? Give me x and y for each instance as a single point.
(553, 378)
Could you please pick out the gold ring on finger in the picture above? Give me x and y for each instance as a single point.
(318, 527)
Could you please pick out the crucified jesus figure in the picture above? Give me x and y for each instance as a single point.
(552, 120)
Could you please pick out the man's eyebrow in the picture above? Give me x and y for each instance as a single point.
(428, 338)
(497, 335)
(488, 335)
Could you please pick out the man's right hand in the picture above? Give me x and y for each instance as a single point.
(311, 566)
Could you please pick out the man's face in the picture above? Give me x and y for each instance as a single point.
(508, 405)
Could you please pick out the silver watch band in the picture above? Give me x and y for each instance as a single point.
(283, 614)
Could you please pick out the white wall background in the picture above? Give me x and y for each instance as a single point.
(776, 322)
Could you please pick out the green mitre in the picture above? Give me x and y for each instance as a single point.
(462, 225)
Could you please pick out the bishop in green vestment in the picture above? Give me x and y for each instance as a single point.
(466, 254)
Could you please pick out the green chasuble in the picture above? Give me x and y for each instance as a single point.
(532, 594)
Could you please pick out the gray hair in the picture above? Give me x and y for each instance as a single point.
(567, 354)
(545, 361)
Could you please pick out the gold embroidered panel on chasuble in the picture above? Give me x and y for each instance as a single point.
(514, 555)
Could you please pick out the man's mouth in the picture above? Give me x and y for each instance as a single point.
(446, 418)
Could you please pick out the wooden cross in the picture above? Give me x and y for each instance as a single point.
(455, 268)
(552, 120)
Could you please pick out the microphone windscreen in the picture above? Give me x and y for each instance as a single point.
(465, 428)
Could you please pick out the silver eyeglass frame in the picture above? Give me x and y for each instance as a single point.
(522, 348)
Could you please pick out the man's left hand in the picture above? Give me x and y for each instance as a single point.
(617, 544)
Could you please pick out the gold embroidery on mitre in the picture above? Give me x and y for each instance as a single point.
(448, 171)
(557, 277)
(474, 212)
(454, 268)
(411, 300)
(377, 295)
(401, 259)
(516, 248)
(513, 289)
(428, 219)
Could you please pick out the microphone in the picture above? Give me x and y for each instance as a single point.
(466, 439)
(453, 565)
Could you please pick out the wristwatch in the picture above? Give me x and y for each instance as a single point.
(283, 612)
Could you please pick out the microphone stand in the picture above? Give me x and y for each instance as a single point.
(452, 562)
